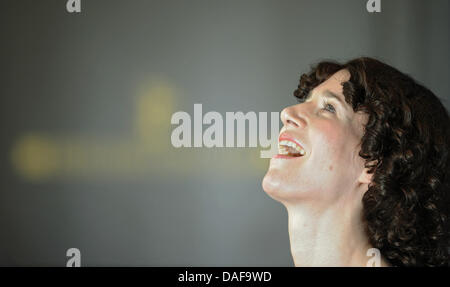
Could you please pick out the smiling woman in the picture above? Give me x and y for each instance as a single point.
(374, 172)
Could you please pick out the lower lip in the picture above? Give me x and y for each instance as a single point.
(285, 156)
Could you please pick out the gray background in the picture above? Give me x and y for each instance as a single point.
(127, 198)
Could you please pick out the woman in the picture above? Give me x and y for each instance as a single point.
(363, 163)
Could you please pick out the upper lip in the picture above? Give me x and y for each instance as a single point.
(285, 136)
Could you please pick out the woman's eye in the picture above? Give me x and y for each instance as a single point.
(330, 108)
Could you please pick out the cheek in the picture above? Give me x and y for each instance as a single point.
(329, 140)
(338, 149)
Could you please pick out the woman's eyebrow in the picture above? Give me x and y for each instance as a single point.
(330, 94)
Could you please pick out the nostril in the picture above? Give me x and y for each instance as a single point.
(292, 122)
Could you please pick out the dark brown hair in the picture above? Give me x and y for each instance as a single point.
(406, 147)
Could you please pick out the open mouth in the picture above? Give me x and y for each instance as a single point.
(289, 148)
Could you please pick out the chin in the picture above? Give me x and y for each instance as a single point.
(281, 189)
(272, 185)
(269, 184)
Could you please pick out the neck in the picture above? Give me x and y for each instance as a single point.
(329, 236)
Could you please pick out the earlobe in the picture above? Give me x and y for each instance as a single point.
(365, 176)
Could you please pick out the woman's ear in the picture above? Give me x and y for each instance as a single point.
(365, 176)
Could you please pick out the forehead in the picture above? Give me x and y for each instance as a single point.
(334, 82)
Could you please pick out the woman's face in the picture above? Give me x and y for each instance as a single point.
(330, 133)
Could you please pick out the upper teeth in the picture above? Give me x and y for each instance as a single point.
(285, 143)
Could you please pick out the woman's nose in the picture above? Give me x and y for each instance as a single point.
(292, 116)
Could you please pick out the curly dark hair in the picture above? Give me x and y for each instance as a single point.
(406, 147)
